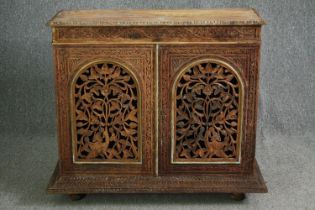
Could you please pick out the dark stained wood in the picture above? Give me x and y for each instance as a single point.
(145, 105)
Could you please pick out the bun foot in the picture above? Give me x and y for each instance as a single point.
(238, 196)
(76, 197)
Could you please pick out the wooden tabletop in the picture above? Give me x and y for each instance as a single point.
(188, 17)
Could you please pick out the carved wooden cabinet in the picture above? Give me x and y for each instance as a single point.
(156, 101)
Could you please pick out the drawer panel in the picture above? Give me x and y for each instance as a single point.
(156, 34)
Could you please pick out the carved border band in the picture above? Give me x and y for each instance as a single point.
(156, 34)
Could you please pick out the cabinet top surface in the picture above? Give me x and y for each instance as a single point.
(187, 17)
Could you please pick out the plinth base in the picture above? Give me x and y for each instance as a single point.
(220, 183)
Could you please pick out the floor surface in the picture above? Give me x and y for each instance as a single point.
(287, 164)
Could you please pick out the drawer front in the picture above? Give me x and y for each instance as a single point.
(105, 97)
(136, 34)
(208, 108)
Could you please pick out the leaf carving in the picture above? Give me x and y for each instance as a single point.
(106, 114)
(98, 106)
(206, 106)
(81, 115)
(94, 75)
(83, 77)
(132, 116)
(114, 106)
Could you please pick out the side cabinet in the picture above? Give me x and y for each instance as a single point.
(156, 101)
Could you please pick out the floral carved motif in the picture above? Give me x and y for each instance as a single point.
(207, 100)
(106, 114)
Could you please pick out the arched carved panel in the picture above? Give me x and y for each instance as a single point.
(105, 107)
(207, 100)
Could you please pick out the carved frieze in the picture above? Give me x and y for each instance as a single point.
(163, 33)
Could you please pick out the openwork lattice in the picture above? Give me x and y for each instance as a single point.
(206, 114)
(106, 114)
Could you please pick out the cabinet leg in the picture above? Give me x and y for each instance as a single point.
(238, 196)
(76, 197)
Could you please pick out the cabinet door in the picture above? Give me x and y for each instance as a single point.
(105, 98)
(205, 91)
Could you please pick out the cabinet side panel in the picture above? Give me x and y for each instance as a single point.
(61, 80)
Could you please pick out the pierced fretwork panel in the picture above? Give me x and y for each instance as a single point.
(106, 115)
(206, 114)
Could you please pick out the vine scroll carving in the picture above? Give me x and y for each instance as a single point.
(207, 102)
(106, 114)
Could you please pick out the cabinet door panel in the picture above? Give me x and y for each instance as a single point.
(108, 106)
(106, 114)
(204, 91)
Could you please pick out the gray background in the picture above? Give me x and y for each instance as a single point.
(285, 133)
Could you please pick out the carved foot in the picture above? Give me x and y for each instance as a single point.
(238, 196)
(76, 197)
